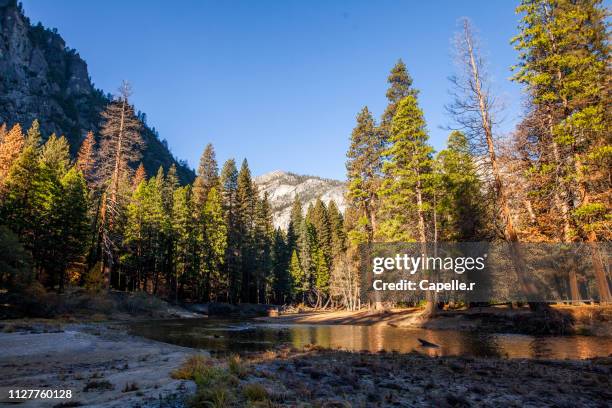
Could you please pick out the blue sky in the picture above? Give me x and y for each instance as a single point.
(278, 82)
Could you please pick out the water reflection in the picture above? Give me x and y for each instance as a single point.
(235, 336)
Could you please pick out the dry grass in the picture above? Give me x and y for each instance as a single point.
(192, 367)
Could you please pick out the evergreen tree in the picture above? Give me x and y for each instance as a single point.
(295, 221)
(564, 63)
(11, 146)
(263, 236)
(55, 155)
(400, 86)
(72, 227)
(246, 198)
(215, 244)
(139, 176)
(229, 184)
(33, 137)
(409, 183)
(26, 201)
(322, 227)
(208, 175)
(86, 159)
(298, 277)
(364, 169)
(282, 283)
(409, 175)
(185, 241)
(338, 235)
(461, 203)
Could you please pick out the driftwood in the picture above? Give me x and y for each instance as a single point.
(426, 343)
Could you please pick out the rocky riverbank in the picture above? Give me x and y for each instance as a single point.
(327, 378)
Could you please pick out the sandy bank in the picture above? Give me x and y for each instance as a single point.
(104, 367)
(593, 320)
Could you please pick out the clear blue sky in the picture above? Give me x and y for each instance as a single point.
(278, 82)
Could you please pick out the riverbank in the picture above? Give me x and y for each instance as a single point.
(101, 365)
(327, 378)
(104, 366)
(562, 319)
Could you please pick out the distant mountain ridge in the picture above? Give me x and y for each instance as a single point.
(41, 78)
(283, 186)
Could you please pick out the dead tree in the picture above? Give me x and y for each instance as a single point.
(120, 146)
(474, 108)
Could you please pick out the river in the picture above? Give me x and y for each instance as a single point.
(235, 336)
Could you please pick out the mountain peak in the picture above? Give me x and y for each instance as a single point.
(283, 186)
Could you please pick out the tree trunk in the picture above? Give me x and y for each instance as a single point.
(510, 234)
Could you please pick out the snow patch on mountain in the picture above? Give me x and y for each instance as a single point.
(283, 186)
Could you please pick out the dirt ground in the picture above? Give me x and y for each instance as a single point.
(104, 367)
(326, 378)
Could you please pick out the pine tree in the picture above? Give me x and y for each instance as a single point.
(86, 159)
(71, 231)
(295, 221)
(338, 235)
(185, 242)
(3, 132)
(408, 175)
(120, 140)
(297, 276)
(215, 244)
(461, 203)
(282, 284)
(400, 86)
(121, 144)
(10, 148)
(33, 137)
(246, 198)
(208, 175)
(364, 169)
(27, 197)
(564, 63)
(321, 223)
(263, 235)
(55, 155)
(139, 176)
(229, 185)
(409, 180)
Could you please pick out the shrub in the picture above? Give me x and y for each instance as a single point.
(192, 367)
(237, 367)
(94, 280)
(255, 392)
(102, 385)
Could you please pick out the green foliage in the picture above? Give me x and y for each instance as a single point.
(408, 184)
(16, 263)
(459, 191)
(94, 279)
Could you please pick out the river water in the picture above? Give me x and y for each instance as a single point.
(233, 336)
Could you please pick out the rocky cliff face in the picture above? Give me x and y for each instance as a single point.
(41, 78)
(282, 188)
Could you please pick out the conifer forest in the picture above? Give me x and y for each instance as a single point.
(90, 215)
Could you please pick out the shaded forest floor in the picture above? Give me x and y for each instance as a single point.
(562, 319)
(79, 305)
